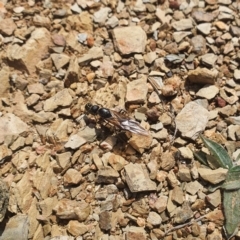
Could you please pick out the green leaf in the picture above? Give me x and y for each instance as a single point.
(231, 203)
(232, 185)
(212, 162)
(231, 200)
(232, 181)
(218, 152)
(215, 187)
(238, 157)
(235, 169)
(202, 157)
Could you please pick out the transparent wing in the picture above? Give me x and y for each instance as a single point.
(125, 123)
(134, 127)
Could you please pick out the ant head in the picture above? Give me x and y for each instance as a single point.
(88, 107)
(93, 109)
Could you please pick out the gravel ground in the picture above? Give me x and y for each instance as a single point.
(155, 74)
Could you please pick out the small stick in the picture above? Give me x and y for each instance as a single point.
(184, 225)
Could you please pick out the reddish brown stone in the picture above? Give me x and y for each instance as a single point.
(59, 40)
(221, 102)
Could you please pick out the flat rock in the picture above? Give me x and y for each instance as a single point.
(63, 159)
(214, 198)
(233, 131)
(72, 177)
(193, 187)
(183, 24)
(27, 56)
(72, 74)
(213, 176)
(221, 25)
(203, 16)
(167, 161)
(211, 2)
(140, 143)
(89, 133)
(47, 205)
(225, 2)
(229, 95)
(60, 60)
(235, 30)
(60, 99)
(16, 226)
(59, 129)
(112, 22)
(234, 120)
(32, 100)
(137, 178)
(11, 125)
(134, 233)
(92, 54)
(154, 218)
(41, 181)
(228, 110)
(225, 16)
(177, 195)
(209, 59)
(163, 16)
(23, 190)
(70, 209)
(198, 43)
(76, 228)
(20, 160)
(41, 21)
(192, 120)
(107, 175)
(204, 28)
(139, 6)
(179, 36)
(134, 43)
(171, 206)
(7, 26)
(154, 98)
(237, 74)
(215, 216)
(186, 152)
(184, 173)
(202, 76)
(61, 237)
(208, 92)
(75, 141)
(101, 15)
(150, 57)
(117, 162)
(172, 179)
(160, 204)
(106, 68)
(183, 214)
(58, 40)
(5, 83)
(36, 88)
(137, 91)
(20, 142)
(229, 47)
(32, 216)
(105, 220)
